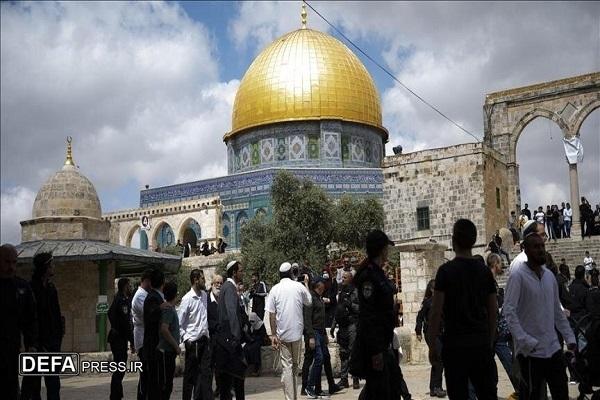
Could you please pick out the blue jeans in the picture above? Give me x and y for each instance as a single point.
(321, 353)
(503, 350)
(568, 228)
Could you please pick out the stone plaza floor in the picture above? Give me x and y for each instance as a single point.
(97, 387)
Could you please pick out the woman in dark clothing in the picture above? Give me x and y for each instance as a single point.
(437, 369)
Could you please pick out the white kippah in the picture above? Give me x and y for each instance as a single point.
(285, 267)
(231, 264)
(527, 225)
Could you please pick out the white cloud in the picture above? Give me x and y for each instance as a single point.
(15, 206)
(452, 54)
(136, 85)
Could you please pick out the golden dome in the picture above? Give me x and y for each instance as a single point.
(306, 75)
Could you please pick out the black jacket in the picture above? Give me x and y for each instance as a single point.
(212, 316)
(152, 316)
(346, 312)
(19, 314)
(119, 315)
(592, 302)
(50, 320)
(229, 355)
(376, 310)
(314, 316)
(578, 291)
(258, 294)
(423, 317)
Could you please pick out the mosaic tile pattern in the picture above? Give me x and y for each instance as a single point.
(267, 150)
(282, 149)
(331, 145)
(358, 148)
(255, 153)
(297, 147)
(245, 157)
(313, 147)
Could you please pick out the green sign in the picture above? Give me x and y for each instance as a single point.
(101, 308)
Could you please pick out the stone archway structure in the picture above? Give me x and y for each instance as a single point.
(567, 102)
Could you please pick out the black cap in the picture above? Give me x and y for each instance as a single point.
(376, 241)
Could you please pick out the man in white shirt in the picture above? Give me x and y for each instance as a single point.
(137, 316)
(193, 327)
(587, 263)
(568, 217)
(533, 313)
(285, 305)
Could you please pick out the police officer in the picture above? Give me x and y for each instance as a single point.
(50, 325)
(121, 332)
(18, 317)
(373, 357)
(346, 318)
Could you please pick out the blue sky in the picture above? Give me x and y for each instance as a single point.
(146, 89)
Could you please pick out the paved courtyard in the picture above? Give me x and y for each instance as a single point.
(97, 387)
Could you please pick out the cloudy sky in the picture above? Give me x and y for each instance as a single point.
(146, 89)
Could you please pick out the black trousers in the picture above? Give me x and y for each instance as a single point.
(119, 352)
(153, 389)
(475, 364)
(226, 382)
(197, 377)
(535, 372)
(9, 371)
(141, 388)
(31, 386)
(166, 372)
(387, 384)
(437, 369)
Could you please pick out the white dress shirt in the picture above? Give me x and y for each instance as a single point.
(286, 300)
(532, 310)
(192, 313)
(568, 214)
(137, 316)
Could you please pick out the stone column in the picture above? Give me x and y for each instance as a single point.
(574, 185)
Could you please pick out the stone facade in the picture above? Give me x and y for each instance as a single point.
(419, 264)
(64, 228)
(567, 102)
(204, 212)
(78, 287)
(462, 181)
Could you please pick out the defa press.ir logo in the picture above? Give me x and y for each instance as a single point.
(68, 364)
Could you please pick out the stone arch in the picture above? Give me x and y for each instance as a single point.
(583, 114)
(129, 236)
(226, 230)
(163, 235)
(189, 231)
(240, 220)
(526, 120)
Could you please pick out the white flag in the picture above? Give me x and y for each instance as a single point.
(573, 149)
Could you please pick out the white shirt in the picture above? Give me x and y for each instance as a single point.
(567, 214)
(287, 300)
(539, 217)
(192, 313)
(137, 315)
(532, 310)
(587, 263)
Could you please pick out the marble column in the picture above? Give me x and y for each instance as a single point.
(574, 185)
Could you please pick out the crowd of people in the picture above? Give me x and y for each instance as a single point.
(466, 319)
(558, 221)
(205, 249)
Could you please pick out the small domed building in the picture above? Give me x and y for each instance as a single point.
(67, 221)
(307, 105)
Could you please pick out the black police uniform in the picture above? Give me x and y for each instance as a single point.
(51, 332)
(17, 305)
(121, 332)
(346, 318)
(375, 333)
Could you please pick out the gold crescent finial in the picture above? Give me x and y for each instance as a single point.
(303, 15)
(69, 160)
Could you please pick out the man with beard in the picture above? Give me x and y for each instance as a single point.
(229, 355)
(346, 317)
(533, 311)
(213, 322)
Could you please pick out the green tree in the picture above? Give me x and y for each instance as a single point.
(354, 219)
